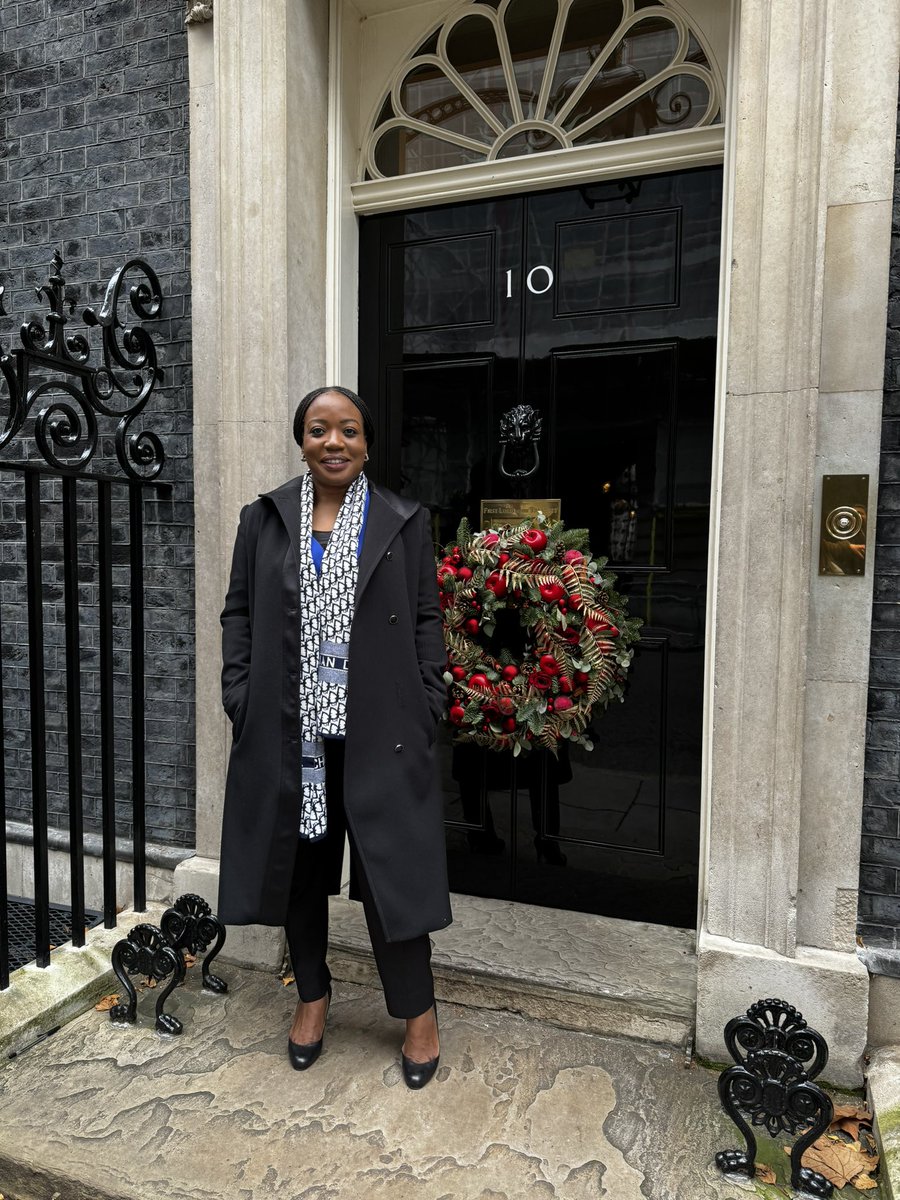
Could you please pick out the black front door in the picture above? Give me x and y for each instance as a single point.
(596, 306)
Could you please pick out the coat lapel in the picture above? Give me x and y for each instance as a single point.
(382, 525)
(287, 500)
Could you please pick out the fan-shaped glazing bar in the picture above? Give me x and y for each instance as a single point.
(627, 23)
(525, 127)
(509, 69)
(453, 77)
(435, 131)
(644, 89)
(559, 29)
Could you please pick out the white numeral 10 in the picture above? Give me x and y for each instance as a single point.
(529, 281)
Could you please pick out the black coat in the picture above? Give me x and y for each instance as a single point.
(395, 698)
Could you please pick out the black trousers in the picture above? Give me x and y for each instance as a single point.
(404, 967)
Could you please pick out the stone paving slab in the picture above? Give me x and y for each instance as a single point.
(518, 1109)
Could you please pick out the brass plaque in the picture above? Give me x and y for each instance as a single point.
(495, 513)
(842, 536)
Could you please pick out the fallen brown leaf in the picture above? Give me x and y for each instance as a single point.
(764, 1173)
(839, 1161)
(104, 1004)
(286, 979)
(151, 983)
(189, 959)
(864, 1183)
(848, 1118)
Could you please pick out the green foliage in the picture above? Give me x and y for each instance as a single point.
(464, 536)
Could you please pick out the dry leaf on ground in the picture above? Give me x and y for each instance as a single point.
(764, 1173)
(104, 1004)
(839, 1161)
(286, 979)
(864, 1183)
(189, 959)
(849, 1117)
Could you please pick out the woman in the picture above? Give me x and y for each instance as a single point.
(332, 678)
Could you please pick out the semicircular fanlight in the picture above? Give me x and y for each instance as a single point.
(498, 80)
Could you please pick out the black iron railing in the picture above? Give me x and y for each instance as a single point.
(54, 393)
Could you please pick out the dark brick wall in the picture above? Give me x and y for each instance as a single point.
(879, 877)
(94, 162)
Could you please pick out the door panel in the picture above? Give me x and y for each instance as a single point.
(597, 306)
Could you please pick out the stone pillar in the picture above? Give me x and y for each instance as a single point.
(259, 82)
(806, 304)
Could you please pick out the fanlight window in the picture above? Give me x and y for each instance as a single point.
(508, 77)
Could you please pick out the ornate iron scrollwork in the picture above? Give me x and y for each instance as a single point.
(772, 1089)
(520, 426)
(774, 1025)
(146, 952)
(66, 430)
(772, 1085)
(191, 925)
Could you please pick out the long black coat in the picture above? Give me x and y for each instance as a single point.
(395, 697)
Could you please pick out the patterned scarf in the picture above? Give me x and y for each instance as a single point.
(326, 605)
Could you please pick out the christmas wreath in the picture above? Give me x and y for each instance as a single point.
(576, 633)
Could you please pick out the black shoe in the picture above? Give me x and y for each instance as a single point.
(304, 1055)
(416, 1074)
(549, 851)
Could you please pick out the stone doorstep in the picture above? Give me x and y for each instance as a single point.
(883, 1091)
(40, 998)
(574, 970)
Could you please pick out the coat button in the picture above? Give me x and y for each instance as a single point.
(398, 749)
(389, 555)
(392, 619)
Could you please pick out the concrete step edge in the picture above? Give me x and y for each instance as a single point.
(590, 1012)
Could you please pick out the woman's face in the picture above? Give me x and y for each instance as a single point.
(333, 440)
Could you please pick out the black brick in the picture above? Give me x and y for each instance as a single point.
(59, 116)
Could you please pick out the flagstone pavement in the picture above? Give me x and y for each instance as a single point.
(518, 1109)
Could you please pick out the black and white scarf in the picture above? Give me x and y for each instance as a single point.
(326, 607)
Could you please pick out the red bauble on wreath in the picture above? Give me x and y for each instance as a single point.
(577, 635)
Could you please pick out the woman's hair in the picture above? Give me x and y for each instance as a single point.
(303, 408)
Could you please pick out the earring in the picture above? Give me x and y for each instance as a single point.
(302, 456)
(366, 459)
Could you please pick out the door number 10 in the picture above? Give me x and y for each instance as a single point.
(533, 279)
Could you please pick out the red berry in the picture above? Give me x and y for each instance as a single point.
(458, 673)
(478, 680)
(534, 539)
(565, 684)
(496, 584)
(471, 626)
(457, 712)
(551, 592)
(505, 705)
(563, 703)
(509, 724)
(502, 558)
(509, 672)
(573, 556)
(464, 573)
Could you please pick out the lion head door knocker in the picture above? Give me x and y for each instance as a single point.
(519, 427)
